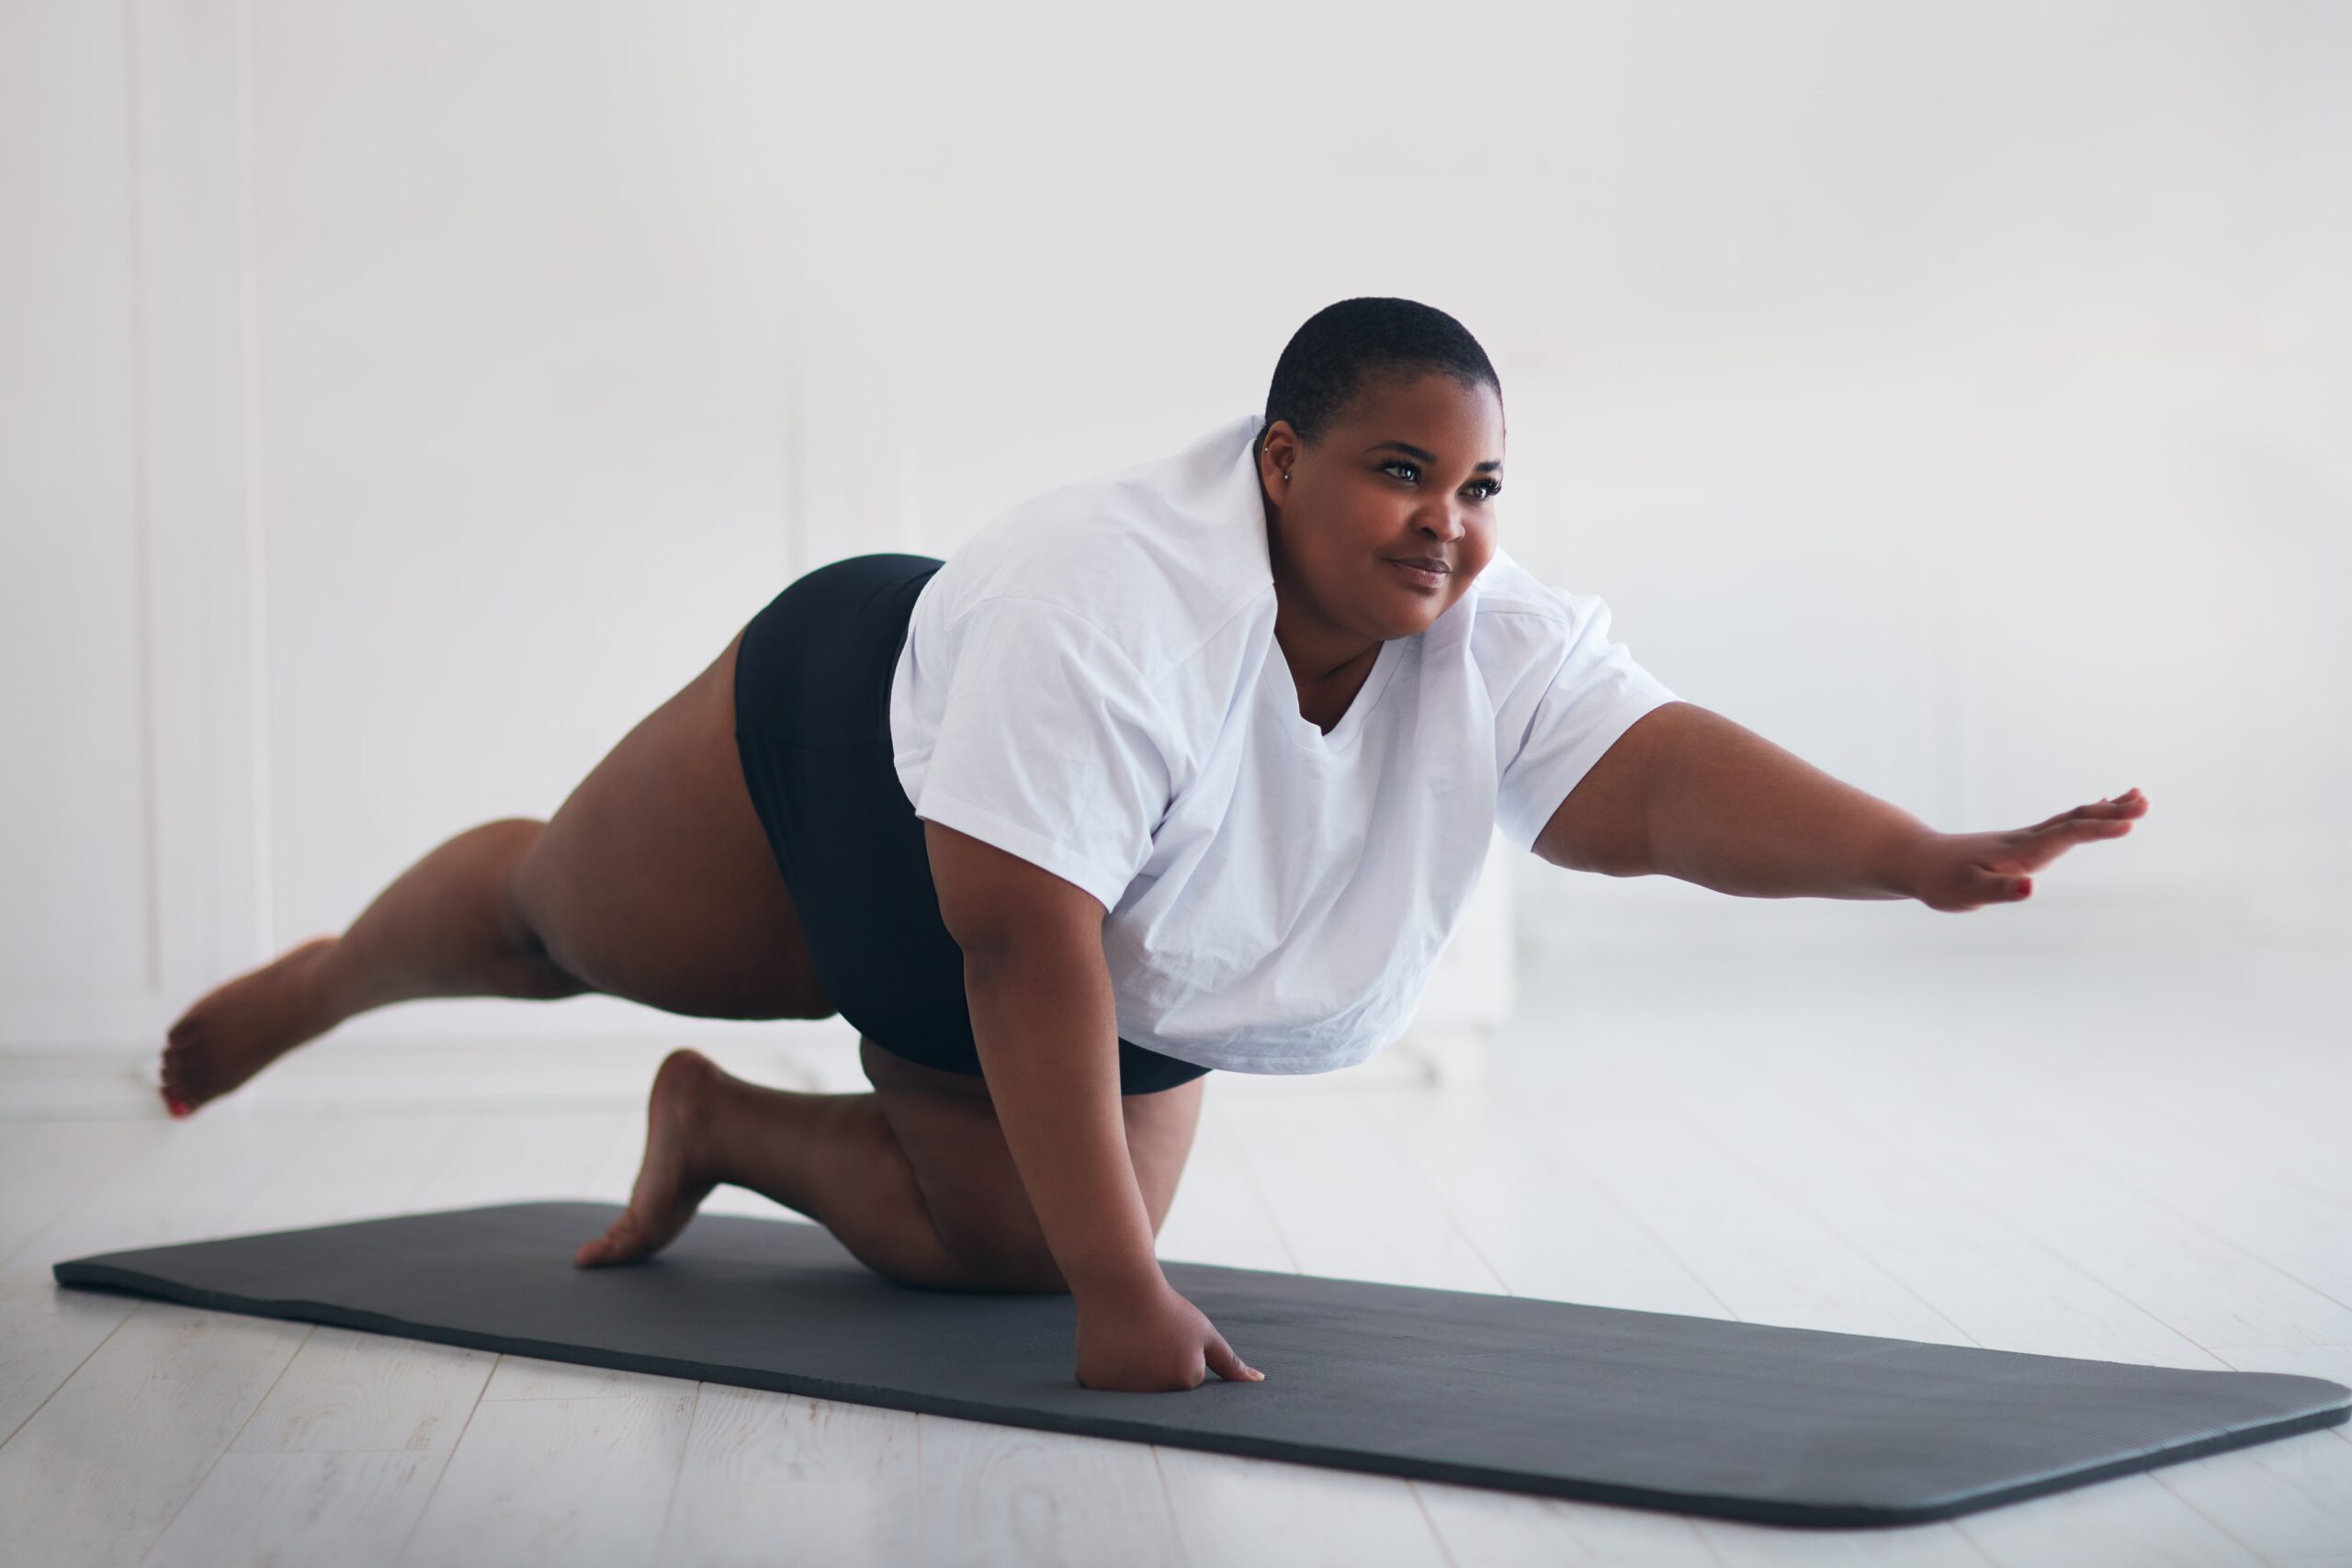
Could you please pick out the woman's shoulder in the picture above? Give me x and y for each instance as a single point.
(1513, 604)
(1118, 555)
(1525, 629)
(1506, 588)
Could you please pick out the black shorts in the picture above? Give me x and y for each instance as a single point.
(813, 726)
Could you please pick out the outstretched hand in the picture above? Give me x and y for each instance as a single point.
(1954, 872)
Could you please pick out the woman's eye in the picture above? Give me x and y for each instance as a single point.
(1492, 487)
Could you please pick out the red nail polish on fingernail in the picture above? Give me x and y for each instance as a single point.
(2024, 885)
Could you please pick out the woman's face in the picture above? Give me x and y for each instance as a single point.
(1409, 471)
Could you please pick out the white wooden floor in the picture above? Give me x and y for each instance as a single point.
(2125, 1157)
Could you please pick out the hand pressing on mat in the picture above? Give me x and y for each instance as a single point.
(1957, 872)
(1151, 1341)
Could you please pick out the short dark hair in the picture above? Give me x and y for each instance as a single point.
(1345, 348)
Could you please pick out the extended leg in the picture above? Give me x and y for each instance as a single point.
(653, 882)
(446, 927)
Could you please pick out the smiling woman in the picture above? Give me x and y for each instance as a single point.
(1189, 767)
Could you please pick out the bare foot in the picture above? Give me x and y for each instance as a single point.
(241, 1027)
(669, 1185)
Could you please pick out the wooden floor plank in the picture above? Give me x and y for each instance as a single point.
(1873, 1190)
(1549, 1231)
(98, 1471)
(1218, 1215)
(557, 1481)
(2122, 1524)
(2286, 1499)
(1015, 1497)
(1233, 1509)
(2219, 1179)
(775, 1477)
(46, 1333)
(1764, 1257)
(364, 1166)
(1479, 1526)
(514, 1158)
(350, 1392)
(353, 1510)
(1343, 1204)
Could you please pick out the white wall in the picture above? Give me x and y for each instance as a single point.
(397, 401)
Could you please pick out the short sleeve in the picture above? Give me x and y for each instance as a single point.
(1050, 746)
(1577, 692)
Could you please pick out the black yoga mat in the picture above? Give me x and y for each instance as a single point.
(1741, 1420)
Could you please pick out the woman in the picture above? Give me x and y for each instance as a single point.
(1189, 766)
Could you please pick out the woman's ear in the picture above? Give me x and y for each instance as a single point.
(1277, 452)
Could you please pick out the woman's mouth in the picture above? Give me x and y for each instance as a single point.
(1420, 576)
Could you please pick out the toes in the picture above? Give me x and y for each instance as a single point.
(173, 1085)
(621, 1244)
(183, 1084)
(183, 1056)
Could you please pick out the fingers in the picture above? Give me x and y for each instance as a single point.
(2053, 838)
(1227, 1365)
(2122, 809)
(2106, 820)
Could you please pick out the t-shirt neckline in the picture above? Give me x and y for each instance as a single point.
(1302, 730)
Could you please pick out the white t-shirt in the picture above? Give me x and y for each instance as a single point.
(1093, 683)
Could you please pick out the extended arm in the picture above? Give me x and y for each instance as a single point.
(1689, 793)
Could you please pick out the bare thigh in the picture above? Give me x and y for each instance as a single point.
(948, 1126)
(654, 880)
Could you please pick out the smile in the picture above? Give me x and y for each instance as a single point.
(1420, 576)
